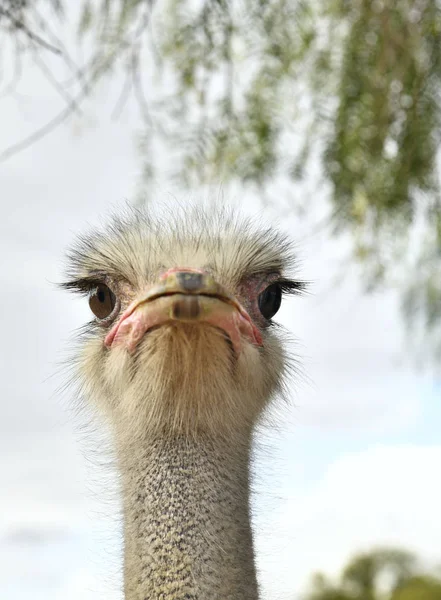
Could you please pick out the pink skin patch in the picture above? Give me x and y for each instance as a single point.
(178, 270)
(142, 315)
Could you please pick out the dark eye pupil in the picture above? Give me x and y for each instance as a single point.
(270, 300)
(101, 295)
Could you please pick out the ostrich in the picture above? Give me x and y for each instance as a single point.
(182, 357)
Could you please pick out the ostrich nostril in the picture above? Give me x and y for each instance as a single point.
(190, 282)
(186, 308)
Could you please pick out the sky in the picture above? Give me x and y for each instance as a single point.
(352, 463)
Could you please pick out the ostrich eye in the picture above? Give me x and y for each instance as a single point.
(102, 301)
(270, 300)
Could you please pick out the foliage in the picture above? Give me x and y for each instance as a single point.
(382, 574)
(419, 588)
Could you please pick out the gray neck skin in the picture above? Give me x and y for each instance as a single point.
(187, 525)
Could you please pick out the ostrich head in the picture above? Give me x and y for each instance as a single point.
(182, 356)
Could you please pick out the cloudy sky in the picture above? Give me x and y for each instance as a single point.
(353, 464)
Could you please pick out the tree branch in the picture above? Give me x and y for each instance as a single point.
(30, 34)
(38, 134)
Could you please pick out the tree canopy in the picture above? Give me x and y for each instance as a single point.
(381, 574)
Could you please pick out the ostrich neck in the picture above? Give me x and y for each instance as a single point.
(186, 515)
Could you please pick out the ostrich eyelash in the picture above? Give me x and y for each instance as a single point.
(291, 286)
(84, 286)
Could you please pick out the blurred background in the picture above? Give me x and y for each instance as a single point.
(321, 116)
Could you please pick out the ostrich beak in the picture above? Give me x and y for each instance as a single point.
(189, 296)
